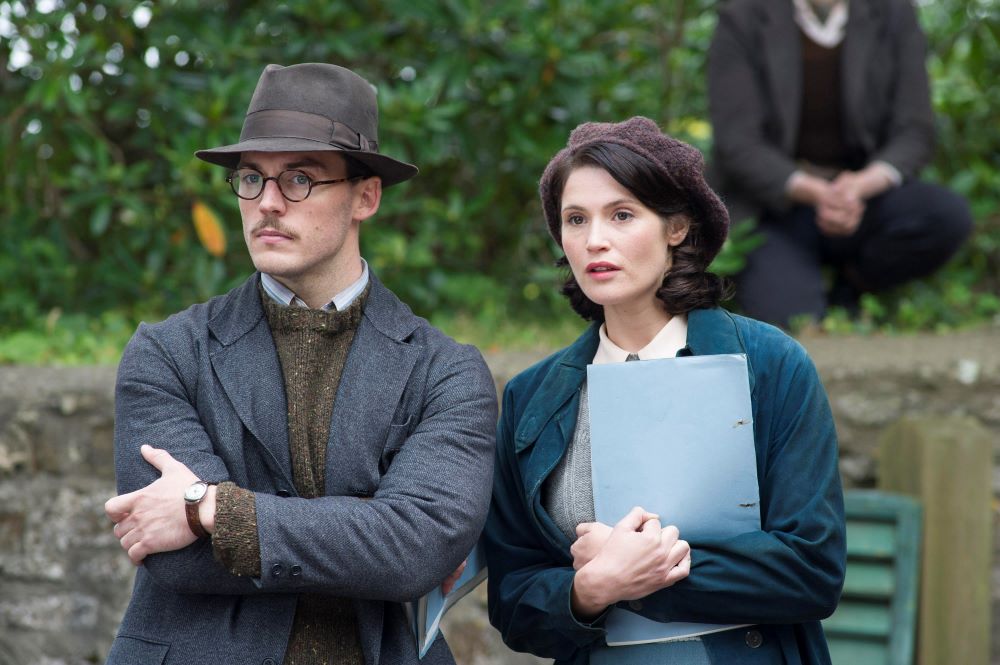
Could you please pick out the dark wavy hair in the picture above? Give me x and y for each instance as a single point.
(687, 285)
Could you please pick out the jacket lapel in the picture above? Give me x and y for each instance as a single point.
(375, 376)
(783, 58)
(552, 412)
(255, 389)
(863, 25)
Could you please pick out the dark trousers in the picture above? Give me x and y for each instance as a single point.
(906, 233)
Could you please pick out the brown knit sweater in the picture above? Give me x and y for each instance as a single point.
(312, 346)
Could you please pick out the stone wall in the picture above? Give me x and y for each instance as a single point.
(64, 581)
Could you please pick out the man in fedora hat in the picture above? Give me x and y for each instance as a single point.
(316, 454)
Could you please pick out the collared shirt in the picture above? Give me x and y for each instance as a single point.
(671, 339)
(281, 293)
(827, 33)
(830, 33)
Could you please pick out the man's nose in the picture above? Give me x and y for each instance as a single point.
(271, 199)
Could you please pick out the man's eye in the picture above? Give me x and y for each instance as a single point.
(250, 178)
(301, 179)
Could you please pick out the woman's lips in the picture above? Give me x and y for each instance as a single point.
(602, 270)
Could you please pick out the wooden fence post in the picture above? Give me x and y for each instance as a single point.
(947, 462)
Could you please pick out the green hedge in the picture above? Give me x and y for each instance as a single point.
(104, 104)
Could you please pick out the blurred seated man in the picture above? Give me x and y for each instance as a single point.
(822, 118)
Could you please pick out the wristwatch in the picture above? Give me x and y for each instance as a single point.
(192, 497)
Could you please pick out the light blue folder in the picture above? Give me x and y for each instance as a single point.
(425, 614)
(674, 436)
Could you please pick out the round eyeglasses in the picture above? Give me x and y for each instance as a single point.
(294, 185)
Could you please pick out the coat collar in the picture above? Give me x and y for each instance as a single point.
(247, 366)
(710, 331)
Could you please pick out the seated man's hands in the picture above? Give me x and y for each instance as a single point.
(152, 519)
(840, 206)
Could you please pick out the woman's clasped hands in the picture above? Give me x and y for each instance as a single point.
(629, 561)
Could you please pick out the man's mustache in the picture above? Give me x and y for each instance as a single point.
(271, 222)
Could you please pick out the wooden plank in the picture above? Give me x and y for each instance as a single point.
(858, 652)
(868, 538)
(870, 580)
(946, 462)
(859, 620)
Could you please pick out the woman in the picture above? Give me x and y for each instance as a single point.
(639, 226)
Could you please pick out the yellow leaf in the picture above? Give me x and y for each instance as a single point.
(209, 229)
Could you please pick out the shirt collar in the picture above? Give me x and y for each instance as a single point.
(282, 294)
(671, 339)
(827, 33)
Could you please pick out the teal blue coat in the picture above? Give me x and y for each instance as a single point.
(784, 578)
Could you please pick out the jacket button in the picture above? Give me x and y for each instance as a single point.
(295, 571)
(276, 570)
(268, 661)
(635, 605)
(284, 494)
(754, 639)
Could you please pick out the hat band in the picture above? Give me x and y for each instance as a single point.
(301, 125)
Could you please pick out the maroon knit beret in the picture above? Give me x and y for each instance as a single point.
(676, 162)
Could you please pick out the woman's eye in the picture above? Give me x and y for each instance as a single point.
(622, 216)
(574, 220)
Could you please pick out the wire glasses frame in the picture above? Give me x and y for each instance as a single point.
(294, 185)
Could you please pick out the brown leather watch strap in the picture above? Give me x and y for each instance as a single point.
(191, 509)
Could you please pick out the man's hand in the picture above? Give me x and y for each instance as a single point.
(451, 580)
(152, 519)
(840, 207)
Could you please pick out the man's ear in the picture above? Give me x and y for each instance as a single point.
(367, 197)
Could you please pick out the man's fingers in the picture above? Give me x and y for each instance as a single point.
(158, 457)
(118, 507)
(136, 553)
(452, 579)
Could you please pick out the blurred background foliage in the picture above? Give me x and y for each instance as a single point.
(108, 218)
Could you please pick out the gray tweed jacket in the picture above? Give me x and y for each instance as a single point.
(412, 432)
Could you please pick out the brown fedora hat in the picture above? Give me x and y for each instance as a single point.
(312, 107)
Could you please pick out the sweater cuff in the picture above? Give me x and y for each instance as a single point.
(235, 543)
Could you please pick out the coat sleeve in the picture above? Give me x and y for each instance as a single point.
(424, 517)
(529, 586)
(154, 404)
(792, 570)
(909, 128)
(739, 112)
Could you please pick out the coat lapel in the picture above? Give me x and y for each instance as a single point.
(375, 376)
(863, 24)
(245, 361)
(783, 57)
(552, 413)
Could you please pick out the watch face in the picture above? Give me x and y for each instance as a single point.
(195, 492)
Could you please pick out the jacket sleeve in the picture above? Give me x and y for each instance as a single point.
(425, 516)
(529, 583)
(154, 405)
(739, 112)
(909, 135)
(792, 570)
